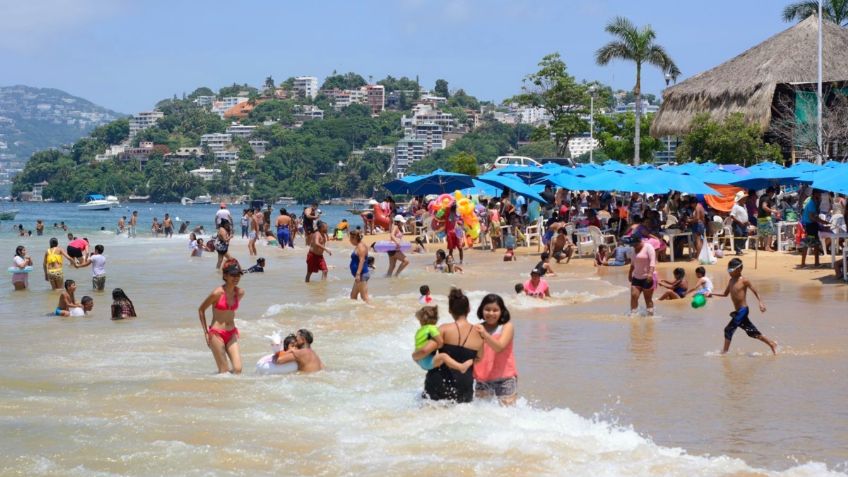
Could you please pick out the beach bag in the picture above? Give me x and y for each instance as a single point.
(706, 257)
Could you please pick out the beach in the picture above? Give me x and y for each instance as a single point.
(601, 392)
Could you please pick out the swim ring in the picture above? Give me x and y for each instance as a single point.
(266, 365)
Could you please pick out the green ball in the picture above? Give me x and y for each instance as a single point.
(699, 300)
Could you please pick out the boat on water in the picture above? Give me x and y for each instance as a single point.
(95, 202)
(8, 214)
(203, 200)
(186, 201)
(113, 200)
(138, 198)
(286, 201)
(359, 206)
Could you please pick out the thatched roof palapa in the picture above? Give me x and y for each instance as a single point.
(746, 84)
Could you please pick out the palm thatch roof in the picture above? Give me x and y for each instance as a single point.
(746, 83)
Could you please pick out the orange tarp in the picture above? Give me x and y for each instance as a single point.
(723, 202)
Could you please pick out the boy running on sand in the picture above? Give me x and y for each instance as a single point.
(738, 288)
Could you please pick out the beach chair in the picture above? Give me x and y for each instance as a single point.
(534, 232)
(585, 244)
(602, 239)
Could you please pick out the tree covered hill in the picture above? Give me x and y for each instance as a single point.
(32, 119)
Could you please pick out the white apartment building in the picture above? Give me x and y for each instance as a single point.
(144, 120)
(230, 157)
(216, 142)
(343, 98)
(306, 86)
(220, 107)
(204, 100)
(239, 130)
(112, 152)
(259, 146)
(580, 145)
(647, 108)
(205, 174)
(308, 112)
(184, 153)
(430, 133)
(425, 114)
(407, 152)
(534, 116)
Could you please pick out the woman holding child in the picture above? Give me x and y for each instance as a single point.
(461, 342)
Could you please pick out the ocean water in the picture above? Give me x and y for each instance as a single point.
(602, 393)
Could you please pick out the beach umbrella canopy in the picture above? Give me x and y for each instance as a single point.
(674, 182)
(624, 182)
(566, 180)
(801, 167)
(767, 174)
(513, 184)
(400, 186)
(438, 182)
(587, 170)
(837, 183)
(528, 174)
(481, 188)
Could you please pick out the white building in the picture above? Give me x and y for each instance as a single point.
(220, 107)
(425, 114)
(306, 86)
(205, 174)
(239, 130)
(534, 116)
(259, 146)
(204, 100)
(144, 120)
(577, 146)
(407, 152)
(343, 98)
(308, 112)
(184, 153)
(647, 108)
(112, 152)
(430, 133)
(230, 157)
(216, 142)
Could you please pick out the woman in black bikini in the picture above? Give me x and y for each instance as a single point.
(461, 343)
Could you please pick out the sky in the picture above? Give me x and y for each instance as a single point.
(127, 55)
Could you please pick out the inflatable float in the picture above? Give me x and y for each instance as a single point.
(381, 219)
(382, 246)
(266, 365)
(20, 270)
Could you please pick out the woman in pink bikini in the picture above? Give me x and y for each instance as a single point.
(222, 335)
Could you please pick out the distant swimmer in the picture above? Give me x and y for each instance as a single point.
(737, 288)
(307, 360)
(222, 335)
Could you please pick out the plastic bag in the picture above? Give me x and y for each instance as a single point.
(706, 257)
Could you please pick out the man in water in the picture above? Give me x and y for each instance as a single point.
(307, 360)
(310, 215)
(133, 223)
(168, 226)
(315, 257)
(222, 215)
(122, 223)
(254, 227)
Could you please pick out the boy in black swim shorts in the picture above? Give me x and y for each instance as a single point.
(738, 288)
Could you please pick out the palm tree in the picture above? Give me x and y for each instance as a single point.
(637, 45)
(833, 10)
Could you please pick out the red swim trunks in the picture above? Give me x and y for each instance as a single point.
(225, 335)
(315, 263)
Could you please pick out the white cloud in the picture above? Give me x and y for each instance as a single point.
(27, 26)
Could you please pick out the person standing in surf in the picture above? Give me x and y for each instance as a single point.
(641, 274)
(222, 335)
(359, 267)
(397, 255)
(315, 256)
(461, 342)
(253, 234)
(496, 374)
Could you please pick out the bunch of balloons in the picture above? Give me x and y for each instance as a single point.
(465, 208)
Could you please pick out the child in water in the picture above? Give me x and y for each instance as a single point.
(509, 244)
(87, 305)
(122, 306)
(425, 298)
(67, 300)
(444, 263)
(704, 286)
(519, 288)
(428, 338)
(676, 289)
(258, 268)
(737, 288)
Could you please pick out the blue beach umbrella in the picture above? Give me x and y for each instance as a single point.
(801, 167)
(689, 184)
(513, 184)
(837, 183)
(528, 174)
(481, 188)
(401, 186)
(567, 180)
(767, 174)
(438, 182)
(623, 182)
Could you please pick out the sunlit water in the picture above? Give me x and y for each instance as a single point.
(602, 394)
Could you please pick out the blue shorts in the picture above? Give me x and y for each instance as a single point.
(58, 311)
(546, 239)
(739, 319)
(426, 362)
(698, 228)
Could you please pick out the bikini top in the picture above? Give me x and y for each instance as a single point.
(54, 257)
(222, 302)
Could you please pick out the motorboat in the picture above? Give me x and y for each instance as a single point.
(203, 200)
(113, 200)
(95, 202)
(360, 206)
(186, 201)
(8, 214)
(138, 198)
(286, 201)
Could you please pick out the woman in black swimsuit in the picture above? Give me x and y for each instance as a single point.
(461, 343)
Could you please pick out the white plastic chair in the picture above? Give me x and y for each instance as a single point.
(586, 245)
(534, 232)
(601, 238)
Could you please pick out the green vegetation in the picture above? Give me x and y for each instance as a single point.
(615, 133)
(833, 10)
(637, 45)
(484, 144)
(345, 81)
(731, 141)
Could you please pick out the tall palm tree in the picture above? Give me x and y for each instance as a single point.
(833, 10)
(637, 45)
